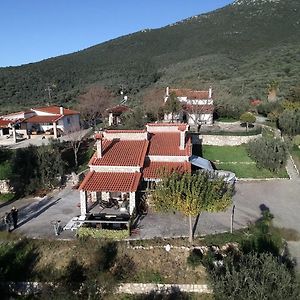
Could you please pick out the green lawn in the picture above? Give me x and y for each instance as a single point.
(251, 171)
(236, 159)
(226, 153)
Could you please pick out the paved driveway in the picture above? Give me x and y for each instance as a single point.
(282, 197)
(36, 214)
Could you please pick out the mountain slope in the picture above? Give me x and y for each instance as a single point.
(238, 49)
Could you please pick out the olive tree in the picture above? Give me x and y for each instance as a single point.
(247, 118)
(253, 277)
(268, 152)
(192, 194)
(289, 122)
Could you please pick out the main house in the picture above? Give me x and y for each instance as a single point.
(197, 106)
(126, 160)
(52, 120)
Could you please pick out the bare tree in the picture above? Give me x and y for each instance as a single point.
(75, 138)
(93, 103)
(153, 101)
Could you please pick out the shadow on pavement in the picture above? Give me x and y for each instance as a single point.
(32, 211)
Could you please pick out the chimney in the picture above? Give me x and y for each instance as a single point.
(61, 110)
(167, 91)
(182, 140)
(210, 92)
(98, 137)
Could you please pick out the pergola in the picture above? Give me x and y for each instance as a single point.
(101, 186)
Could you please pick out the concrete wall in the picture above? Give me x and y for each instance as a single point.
(221, 140)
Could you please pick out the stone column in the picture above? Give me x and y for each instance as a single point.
(131, 202)
(1, 132)
(55, 130)
(83, 203)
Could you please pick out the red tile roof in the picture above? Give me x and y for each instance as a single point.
(118, 109)
(121, 153)
(43, 119)
(208, 109)
(154, 170)
(190, 94)
(111, 182)
(56, 110)
(5, 123)
(167, 144)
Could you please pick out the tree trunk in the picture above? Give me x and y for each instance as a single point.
(75, 158)
(191, 229)
(246, 126)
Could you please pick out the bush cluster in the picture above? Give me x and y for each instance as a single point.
(269, 153)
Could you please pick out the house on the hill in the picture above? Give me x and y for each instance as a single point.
(197, 106)
(115, 113)
(125, 160)
(52, 120)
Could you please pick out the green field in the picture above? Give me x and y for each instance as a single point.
(236, 159)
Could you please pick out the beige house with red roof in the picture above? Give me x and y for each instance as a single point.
(53, 120)
(126, 159)
(115, 113)
(197, 106)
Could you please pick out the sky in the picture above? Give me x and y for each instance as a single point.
(32, 30)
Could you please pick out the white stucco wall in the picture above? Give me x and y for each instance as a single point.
(137, 136)
(69, 123)
(161, 158)
(115, 169)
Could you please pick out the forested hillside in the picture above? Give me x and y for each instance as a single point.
(238, 49)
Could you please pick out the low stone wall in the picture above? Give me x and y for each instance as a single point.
(146, 288)
(30, 288)
(5, 188)
(222, 140)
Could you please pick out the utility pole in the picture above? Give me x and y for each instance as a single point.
(48, 89)
(232, 218)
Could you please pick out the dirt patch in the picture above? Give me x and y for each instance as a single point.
(150, 265)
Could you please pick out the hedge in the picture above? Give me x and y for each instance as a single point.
(102, 233)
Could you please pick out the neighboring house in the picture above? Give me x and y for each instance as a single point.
(197, 106)
(53, 120)
(115, 113)
(125, 160)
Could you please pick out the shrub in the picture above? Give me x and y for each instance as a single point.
(195, 258)
(83, 232)
(253, 276)
(5, 170)
(289, 122)
(268, 153)
(6, 197)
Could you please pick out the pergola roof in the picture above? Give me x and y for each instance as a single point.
(111, 182)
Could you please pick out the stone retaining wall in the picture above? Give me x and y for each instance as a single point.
(222, 140)
(146, 288)
(29, 288)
